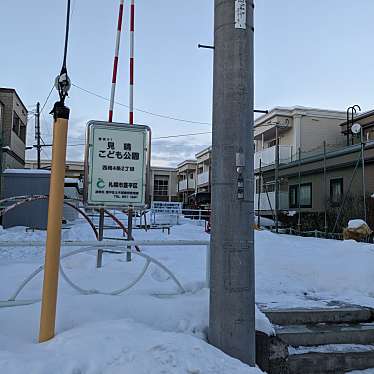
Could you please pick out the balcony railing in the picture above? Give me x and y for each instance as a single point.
(183, 184)
(267, 156)
(203, 178)
(264, 201)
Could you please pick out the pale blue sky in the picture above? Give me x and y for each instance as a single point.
(311, 53)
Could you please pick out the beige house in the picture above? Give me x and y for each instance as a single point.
(204, 170)
(186, 179)
(297, 128)
(301, 131)
(13, 124)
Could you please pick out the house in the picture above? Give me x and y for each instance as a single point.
(13, 122)
(73, 169)
(301, 132)
(204, 161)
(316, 185)
(186, 175)
(163, 184)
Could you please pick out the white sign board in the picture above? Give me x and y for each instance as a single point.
(240, 14)
(116, 165)
(164, 207)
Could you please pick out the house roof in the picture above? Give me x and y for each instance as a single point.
(299, 110)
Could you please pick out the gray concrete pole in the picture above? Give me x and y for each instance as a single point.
(232, 293)
(276, 191)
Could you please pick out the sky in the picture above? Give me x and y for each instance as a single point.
(310, 53)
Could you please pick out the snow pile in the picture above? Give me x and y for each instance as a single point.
(356, 223)
(120, 346)
(293, 271)
(331, 348)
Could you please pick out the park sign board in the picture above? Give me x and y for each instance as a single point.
(116, 165)
(165, 207)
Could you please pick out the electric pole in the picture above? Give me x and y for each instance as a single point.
(232, 293)
(37, 133)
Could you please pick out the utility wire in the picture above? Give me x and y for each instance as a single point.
(141, 110)
(181, 135)
(157, 138)
(46, 100)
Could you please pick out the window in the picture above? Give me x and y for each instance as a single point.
(161, 186)
(336, 191)
(302, 197)
(1, 115)
(19, 127)
(16, 122)
(306, 195)
(22, 132)
(292, 195)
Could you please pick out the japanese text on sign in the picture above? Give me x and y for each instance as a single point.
(116, 165)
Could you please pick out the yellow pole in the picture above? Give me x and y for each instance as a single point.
(55, 210)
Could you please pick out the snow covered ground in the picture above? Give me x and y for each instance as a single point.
(141, 331)
(152, 329)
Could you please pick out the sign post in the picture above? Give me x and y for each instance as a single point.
(117, 165)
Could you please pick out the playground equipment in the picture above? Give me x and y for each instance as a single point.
(112, 245)
(92, 246)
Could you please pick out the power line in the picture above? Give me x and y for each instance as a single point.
(141, 110)
(46, 100)
(181, 135)
(157, 138)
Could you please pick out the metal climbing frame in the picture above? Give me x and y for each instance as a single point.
(86, 246)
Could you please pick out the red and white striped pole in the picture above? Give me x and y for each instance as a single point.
(131, 94)
(115, 64)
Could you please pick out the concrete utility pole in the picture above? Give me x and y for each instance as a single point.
(232, 308)
(37, 133)
(276, 179)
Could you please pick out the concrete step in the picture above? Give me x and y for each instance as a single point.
(334, 362)
(300, 316)
(313, 335)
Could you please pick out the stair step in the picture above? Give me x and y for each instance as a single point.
(336, 361)
(308, 335)
(321, 315)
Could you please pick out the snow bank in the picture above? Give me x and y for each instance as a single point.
(138, 332)
(121, 346)
(97, 333)
(293, 271)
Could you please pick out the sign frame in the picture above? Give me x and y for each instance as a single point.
(88, 154)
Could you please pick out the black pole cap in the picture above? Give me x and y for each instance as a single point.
(60, 111)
